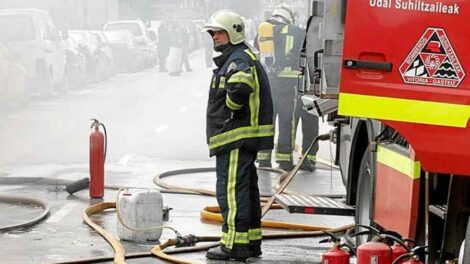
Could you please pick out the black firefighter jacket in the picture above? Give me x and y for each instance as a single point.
(240, 108)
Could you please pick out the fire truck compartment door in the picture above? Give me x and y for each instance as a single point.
(405, 62)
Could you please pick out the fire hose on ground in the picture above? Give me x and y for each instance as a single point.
(163, 250)
(209, 214)
(14, 199)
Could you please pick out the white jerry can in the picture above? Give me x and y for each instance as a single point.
(140, 208)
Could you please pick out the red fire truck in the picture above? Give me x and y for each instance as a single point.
(391, 76)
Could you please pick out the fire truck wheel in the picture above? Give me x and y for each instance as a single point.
(465, 257)
(364, 197)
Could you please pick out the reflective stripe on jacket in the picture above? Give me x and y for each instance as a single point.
(239, 111)
(288, 42)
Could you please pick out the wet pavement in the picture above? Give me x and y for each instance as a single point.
(63, 236)
(155, 124)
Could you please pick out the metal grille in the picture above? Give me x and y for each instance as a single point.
(313, 205)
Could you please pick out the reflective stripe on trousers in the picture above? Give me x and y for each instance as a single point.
(238, 197)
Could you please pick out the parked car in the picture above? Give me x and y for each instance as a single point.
(12, 77)
(30, 35)
(76, 64)
(105, 47)
(141, 37)
(96, 58)
(135, 27)
(127, 56)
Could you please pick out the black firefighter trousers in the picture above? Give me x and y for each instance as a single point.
(283, 91)
(239, 200)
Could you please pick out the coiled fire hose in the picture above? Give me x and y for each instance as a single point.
(208, 213)
(13, 199)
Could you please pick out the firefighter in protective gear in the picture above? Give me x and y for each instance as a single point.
(283, 76)
(239, 124)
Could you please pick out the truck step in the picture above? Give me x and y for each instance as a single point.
(439, 210)
(306, 204)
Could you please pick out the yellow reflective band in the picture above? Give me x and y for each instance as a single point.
(241, 238)
(242, 77)
(240, 133)
(312, 157)
(231, 104)
(255, 234)
(283, 157)
(223, 238)
(289, 45)
(231, 198)
(251, 54)
(254, 96)
(399, 162)
(213, 82)
(222, 82)
(285, 30)
(254, 99)
(264, 156)
(404, 110)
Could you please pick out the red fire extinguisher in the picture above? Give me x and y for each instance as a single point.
(375, 251)
(413, 256)
(336, 255)
(399, 249)
(97, 159)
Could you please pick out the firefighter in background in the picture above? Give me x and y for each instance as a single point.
(163, 47)
(239, 124)
(279, 42)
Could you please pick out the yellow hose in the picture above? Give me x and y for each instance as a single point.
(118, 248)
(158, 251)
(212, 213)
(208, 213)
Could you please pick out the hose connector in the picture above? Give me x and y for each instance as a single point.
(186, 241)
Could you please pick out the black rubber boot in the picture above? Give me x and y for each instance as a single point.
(255, 251)
(265, 164)
(286, 165)
(220, 253)
(307, 165)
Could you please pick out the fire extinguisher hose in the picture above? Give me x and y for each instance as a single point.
(105, 142)
(97, 124)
